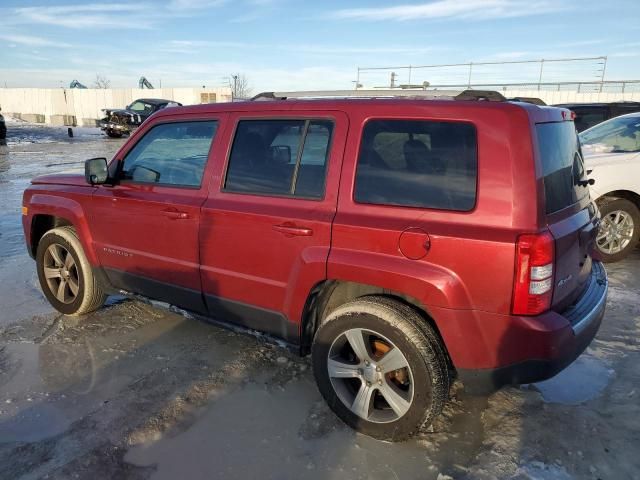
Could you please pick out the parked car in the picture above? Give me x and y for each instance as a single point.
(590, 114)
(400, 242)
(119, 122)
(612, 159)
(3, 130)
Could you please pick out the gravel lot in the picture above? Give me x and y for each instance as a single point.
(142, 390)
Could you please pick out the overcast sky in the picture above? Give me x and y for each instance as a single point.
(293, 44)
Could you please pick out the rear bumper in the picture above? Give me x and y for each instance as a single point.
(557, 338)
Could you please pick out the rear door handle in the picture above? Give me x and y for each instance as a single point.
(175, 214)
(290, 229)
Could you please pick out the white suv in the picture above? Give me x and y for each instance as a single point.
(612, 158)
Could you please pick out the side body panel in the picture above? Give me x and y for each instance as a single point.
(613, 172)
(466, 248)
(253, 272)
(469, 266)
(146, 235)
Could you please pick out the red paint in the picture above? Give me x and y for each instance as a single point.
(270, 251)
(414, 243)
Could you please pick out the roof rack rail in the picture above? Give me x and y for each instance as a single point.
(477, 95)
(532, 100)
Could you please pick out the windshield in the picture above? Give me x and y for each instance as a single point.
(141, 107)
(621, 135)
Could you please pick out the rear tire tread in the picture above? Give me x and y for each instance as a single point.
(417, 332)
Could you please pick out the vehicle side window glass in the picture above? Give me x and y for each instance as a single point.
(417, 163)
(279, 157)
(171, 154)
(588, 117)
(313, 163)
(618, 135)
(140, 107)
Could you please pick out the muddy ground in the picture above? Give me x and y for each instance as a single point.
(141, 390)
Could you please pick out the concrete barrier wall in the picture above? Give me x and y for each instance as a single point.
(72, 106)
(555, 97)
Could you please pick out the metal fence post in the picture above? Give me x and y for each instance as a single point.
(540, 77)
(604, 68)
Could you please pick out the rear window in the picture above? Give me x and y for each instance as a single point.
(562, 165)
(587, 117)
(417, 163)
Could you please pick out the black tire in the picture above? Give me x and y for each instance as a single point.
(113, 134)
(90, 296)
(607, 207)
(416, 340)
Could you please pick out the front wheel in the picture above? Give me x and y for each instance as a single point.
(65, 274)
(380, 367)
(619, 229)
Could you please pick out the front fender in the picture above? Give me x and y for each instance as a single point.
(66, 208)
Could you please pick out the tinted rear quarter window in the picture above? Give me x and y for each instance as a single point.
(562, 165)
(418, 163)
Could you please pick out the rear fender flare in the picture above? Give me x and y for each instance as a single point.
(430, 284)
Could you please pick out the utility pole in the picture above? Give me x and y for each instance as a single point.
(393, 80)
(235, 87)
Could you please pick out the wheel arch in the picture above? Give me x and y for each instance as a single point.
(328, 295)
(50, 211)
(41, 223)
(630, 195)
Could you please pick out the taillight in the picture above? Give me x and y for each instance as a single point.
(533, 282)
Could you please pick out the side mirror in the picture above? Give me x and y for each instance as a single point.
(280, 154)
(95, 171)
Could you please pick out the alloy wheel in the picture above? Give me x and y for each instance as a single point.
(616, 231)
(61, 273)
(370, 375)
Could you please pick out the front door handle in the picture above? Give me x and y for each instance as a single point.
(290, 229)
(175, 214)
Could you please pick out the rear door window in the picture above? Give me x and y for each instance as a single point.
(562, 165)
(280, 157)
(418, 163)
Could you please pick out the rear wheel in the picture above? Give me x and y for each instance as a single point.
(65, 274)
(619, 229)
(380, 368)
(114, 134)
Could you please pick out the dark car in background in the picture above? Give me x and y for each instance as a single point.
(590, 114)
(3, 130)
(119, 122)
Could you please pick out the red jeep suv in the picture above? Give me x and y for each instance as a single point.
(401, 242)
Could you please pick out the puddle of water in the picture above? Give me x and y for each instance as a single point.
(541, 471)
(257, 432)
(580, 382)
(20, 161)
